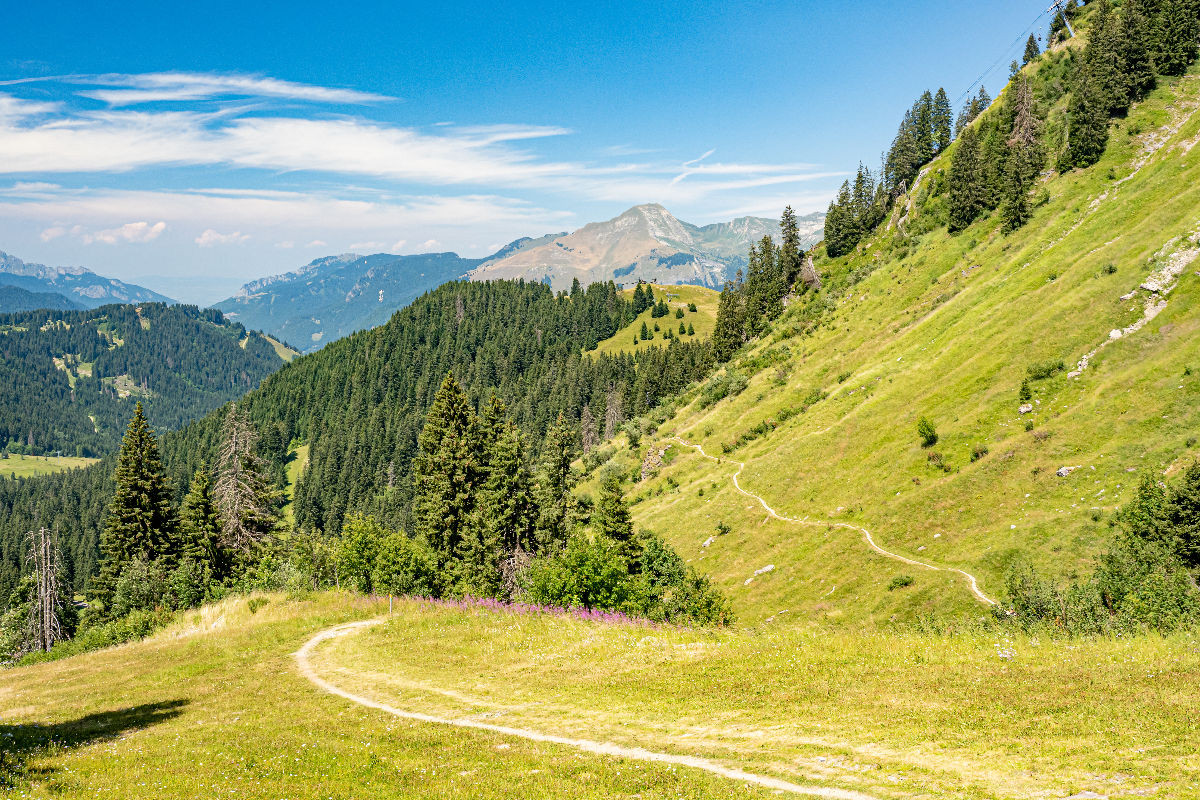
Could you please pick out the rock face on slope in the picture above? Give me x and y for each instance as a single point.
(645, 243)
(80, 286)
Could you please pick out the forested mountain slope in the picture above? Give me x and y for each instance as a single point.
(360, 402)
(1055, 361)
(71, 378)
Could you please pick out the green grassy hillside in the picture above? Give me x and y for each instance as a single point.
(215, 707)
(917, 322)
(703, 319)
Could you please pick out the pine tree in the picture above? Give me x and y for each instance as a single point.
(923, 128)
(967, 191)
(789, 251)
(1177, 26)
(644, 334)
(556, 480)
(612, 519)
(200, 525)
(245, 499)
(943, 120)
(729, 333)
(141, 523)
(1087, 124)
(1032, 50)
(840, 226)
(690, 330)
(1135, 43)
(445, 472)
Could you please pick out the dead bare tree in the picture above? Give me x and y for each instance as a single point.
(244, 498)
(45, 607)
(614, 413)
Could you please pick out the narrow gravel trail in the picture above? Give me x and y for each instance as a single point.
(586, 745)
(974, 585)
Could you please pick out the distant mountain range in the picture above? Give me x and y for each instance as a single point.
(338, 295)
(334, 296)
(63, 288)
(645, 243)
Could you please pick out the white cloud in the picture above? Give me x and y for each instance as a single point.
(375, 246)
(211, 237)
(160, 86)
(53, 233)
(316, 243)
(430, 244)
(398, 246)
(117, 140)
(131, 232)
(288, 245)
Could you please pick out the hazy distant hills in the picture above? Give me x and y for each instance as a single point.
(335, 296)
(63, 288)
(644, 243)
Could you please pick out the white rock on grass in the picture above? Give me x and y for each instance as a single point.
(764, 570)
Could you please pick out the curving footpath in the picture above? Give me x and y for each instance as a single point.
(975, 590)
(587, 745)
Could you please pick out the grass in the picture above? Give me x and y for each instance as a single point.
(703, 319)
(282, 350)
(297, 461)
(214, 707)
(947, 327)
(21, 466)
(897, 714)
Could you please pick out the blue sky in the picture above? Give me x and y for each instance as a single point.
(194, 147)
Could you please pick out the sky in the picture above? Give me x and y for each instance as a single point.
(194, 147)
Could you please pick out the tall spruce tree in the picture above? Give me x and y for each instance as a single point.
(729, 332)
(445, 472)
(1032, 50)
(141, 524)
(612, 519)
(1134, 39)
(556, 480)
(923, 128)
(1087, 123)
(200, 526)
(968, 194)
(943, 120)
(790, 259)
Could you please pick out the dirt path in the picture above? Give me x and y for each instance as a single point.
(587, 745)
(975, 590)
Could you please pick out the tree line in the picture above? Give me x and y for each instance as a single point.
(748, 303)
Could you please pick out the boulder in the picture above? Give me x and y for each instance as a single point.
(1063, 472)
(1025, 409)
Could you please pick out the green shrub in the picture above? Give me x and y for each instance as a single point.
(1044, 369)
(1025, 394)
(899, 582)
(927, 432)
(718, 387)
(978, 452)
(255, 603)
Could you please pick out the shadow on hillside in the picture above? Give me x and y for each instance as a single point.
(20, 744)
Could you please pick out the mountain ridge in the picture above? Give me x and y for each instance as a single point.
(644, 243)
(81, 285)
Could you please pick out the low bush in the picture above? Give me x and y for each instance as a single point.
(899, 582)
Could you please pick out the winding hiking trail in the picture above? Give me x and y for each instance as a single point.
(587, 745)
(975, 590)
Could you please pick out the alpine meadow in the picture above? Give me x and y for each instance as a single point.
(880, 481)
